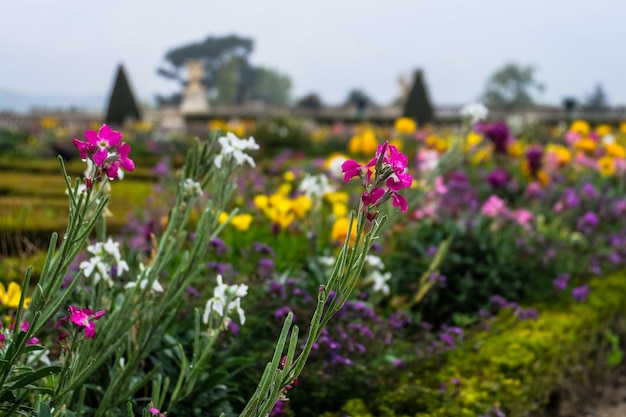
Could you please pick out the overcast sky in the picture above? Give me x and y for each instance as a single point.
(73, 47)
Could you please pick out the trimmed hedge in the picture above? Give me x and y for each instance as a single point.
(513, 367)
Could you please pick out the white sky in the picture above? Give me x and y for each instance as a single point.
(73, 47)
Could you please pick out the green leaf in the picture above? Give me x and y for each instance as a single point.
(31, 377)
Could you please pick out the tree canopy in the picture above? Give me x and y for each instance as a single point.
(512, 86)
(228, 73)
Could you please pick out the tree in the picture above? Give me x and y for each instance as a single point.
(597, 100)
(122, 105)
(215, 52)
(511, 86)
(270, 87)
(229, 76)
(418, 106)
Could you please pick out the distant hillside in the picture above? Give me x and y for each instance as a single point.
(21, 103)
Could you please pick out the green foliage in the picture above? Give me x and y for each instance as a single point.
(513, 367)
(511, 86)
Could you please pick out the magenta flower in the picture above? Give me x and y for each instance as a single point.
(100, 142)
(83, 318)
(391, 170)
(105, 149)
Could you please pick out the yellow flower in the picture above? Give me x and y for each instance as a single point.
(336, 197)
(340, 231)
(405, 125)
(585, 144)
(472, 140)
(223, 217)
(242, 221)
(340, 210)
(49, 122)
(239, 129)
(581, 127)
(11, 298)
(369, 144)
(563, 155)
(482, 155)
(217, 124)
(398, 143)
(284, 189)
(261, 201)
(516, 149)
(301, 205)
(616, 150)
(606, 166)
(604, 129)
(622, 128)
(289, 176)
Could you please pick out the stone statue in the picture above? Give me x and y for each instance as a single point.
(195, 96)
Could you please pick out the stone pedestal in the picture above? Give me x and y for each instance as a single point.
(195, 97)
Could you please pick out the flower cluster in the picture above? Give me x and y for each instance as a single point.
(100, 264)
(235, 147)
(226, 299)
(85, 318)
(388, 177)
(107, 152)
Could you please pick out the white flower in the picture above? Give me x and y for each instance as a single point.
(315, 186)
(156, 286)
(225, 300)
(374, 262)
(104, 256)
(379, 281)
(475, 112)
(235, 147)
(192, 188)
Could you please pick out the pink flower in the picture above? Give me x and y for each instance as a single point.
(83, 318)
(100, 142)
(392, 172)
(105, 149)
(156, 412)
(493, 207)
(521, 217)
(32, 341)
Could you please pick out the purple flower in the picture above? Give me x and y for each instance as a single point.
(498, 178)
(589, 192)
(588, 221)
(534, 156)
(282, 313)
(219, 247)
(498, 133)
(560, 282)
(265, 267)
(581, 293)
(570, 199)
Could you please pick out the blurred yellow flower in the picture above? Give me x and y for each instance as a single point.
(261, 201)
(337, 197)
(516, 149)
(289, 176)
(340, 231)
(49, 122)
(11, 298)
(562, 154)
(405, 125)
(217, 124)
(340, 210)
(238, 128)
(364, 143)
(472, 140)
(242, 221)
(604, 129)
(481, 155)
(581, 127)
(585, 144)
(301, 205)
(223, 217)
(398, 143)
(606, 166)
(616, 150)
(622, 128)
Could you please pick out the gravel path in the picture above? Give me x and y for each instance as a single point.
(609, 402)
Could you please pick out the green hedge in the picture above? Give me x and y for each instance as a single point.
(514, 367)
